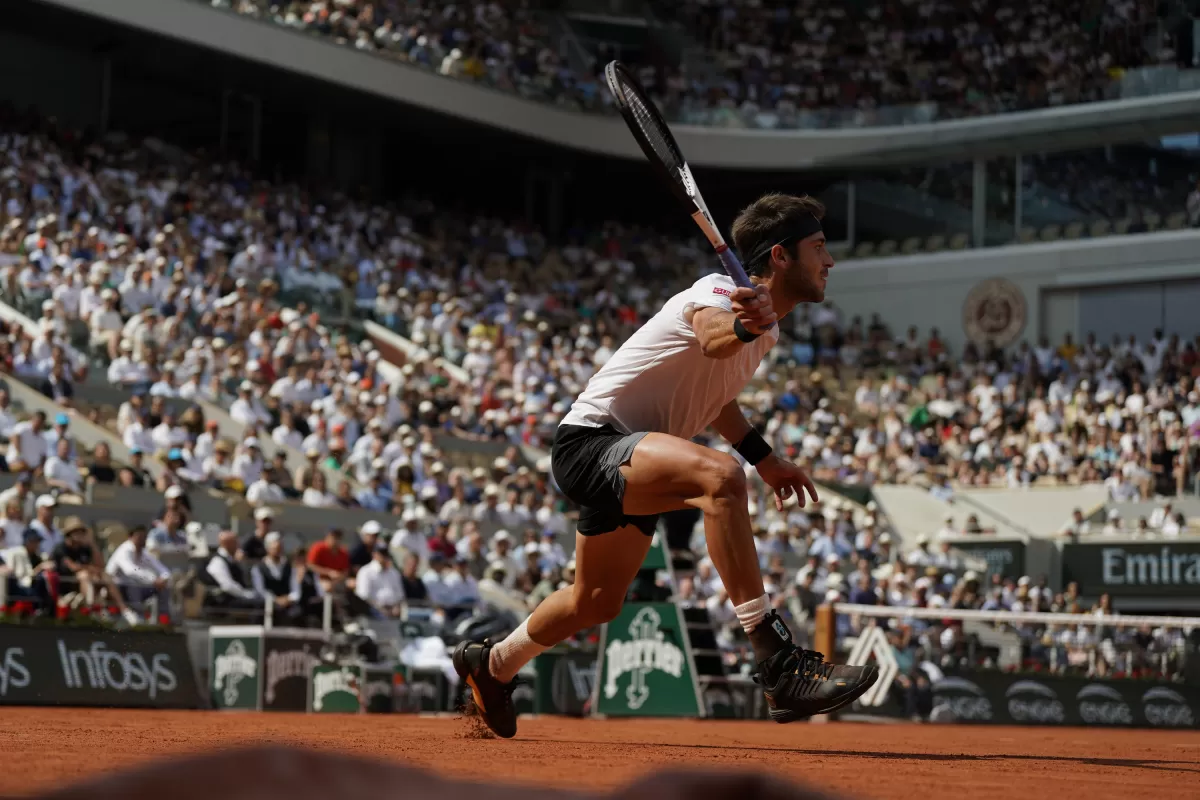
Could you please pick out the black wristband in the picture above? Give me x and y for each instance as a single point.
(753, 447)
(739, 330)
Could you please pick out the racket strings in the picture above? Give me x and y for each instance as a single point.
(652, 128)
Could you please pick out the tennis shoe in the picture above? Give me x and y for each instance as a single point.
(801, 683)
(493, 699)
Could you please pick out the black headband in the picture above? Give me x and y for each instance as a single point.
(792, 230)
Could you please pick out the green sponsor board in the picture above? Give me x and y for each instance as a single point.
(335, 689)
(235, 667)
(646, 667)
(657, 557)
(378, 688)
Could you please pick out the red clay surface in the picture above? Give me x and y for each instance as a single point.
(43, 748)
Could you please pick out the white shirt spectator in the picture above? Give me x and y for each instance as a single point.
(27, 446)
(379, 585)
(66, 471)
(441, 593)
(219, 571)
(264, 493)
(126, 565)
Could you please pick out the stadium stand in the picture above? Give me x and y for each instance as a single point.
(196, 322)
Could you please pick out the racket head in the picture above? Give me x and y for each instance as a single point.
(650, 130)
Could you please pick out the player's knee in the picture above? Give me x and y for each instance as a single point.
(598, 606)
(725, 479)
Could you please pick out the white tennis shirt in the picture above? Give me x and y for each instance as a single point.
(660, 380)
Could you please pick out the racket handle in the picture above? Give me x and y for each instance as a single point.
(734, 268)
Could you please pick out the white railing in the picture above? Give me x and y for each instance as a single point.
(1016, 617)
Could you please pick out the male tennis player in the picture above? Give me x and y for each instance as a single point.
(623, 453)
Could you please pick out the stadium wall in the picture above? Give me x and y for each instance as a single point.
(1120, 284)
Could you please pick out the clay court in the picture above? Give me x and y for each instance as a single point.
(45, 748)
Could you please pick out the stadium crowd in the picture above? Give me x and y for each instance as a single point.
(921, 60)
(170, 279)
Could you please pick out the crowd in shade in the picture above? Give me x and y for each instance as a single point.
(776, 64)
(182, 282)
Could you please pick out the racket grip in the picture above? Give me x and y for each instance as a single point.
(733, 267)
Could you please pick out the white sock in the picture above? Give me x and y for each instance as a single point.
(752, 612)
(516, 651)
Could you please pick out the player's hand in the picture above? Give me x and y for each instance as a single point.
(785, 478)
(752, 305)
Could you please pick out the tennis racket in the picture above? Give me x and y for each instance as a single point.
(652, 134)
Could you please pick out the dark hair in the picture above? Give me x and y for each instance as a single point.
(766, 218)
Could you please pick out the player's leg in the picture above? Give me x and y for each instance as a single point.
(605, 565)
(666, 472)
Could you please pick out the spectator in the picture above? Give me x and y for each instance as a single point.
(415, 591)
(24, 569)
(275, 578)
(22, 494)
(101, 469)
(379, 583)
(43, 523)
(62, 472)
(363, 553)
(254, 546)
(138, 573)
(225, 574)
(79, 568)
(27, 448)
(329, 560)
(168, 535)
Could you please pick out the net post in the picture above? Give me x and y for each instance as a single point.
(823, 636)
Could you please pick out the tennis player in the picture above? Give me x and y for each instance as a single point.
(623, 454)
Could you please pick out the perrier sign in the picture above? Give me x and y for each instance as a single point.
(646, 665)
(335, 689)
(235, 669)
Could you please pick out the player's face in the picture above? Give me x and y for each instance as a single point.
(807, 270)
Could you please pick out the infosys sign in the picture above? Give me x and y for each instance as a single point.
(1135, 569)
(90, 668)
(1002, 698)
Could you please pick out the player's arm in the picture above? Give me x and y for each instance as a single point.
(781, 475)
(721, 332)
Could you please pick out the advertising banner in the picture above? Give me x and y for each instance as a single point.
(378, 689)
(646, 665)
(336, 689)
(61, 666)
(235, 667)
(288, 659)
(1134, 569)
(422, 690)
(1004, 558)
(565, 681)
(1033, 699)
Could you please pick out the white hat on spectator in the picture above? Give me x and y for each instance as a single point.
(492, 490)
(970, 575)
(832, 596)
(251, 442)
(501, 536)
(193, 528)
(312, 451)
(272, 538)
(1023, 580)
(429, 493)
(501, 463)
(427, 449)
(263, 513)
(246, 386)
(370, 528)
(479, 474)
(252, 366)
(1114, 513)
(381, 400)
(543, 464)
(923, 539)
(532, 547)
(438, 468)
(46, 501)
(126, 346)
(885, 538)
(173, 492)
(833, 558)
(425, 407)
(777, 526)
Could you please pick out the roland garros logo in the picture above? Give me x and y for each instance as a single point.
(995, 312)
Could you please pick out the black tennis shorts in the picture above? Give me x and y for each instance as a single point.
(586, 463)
